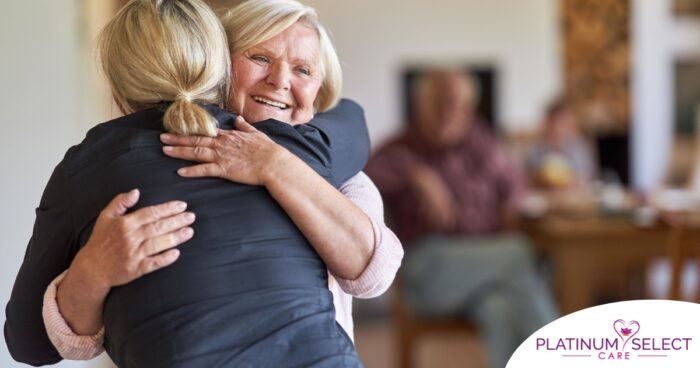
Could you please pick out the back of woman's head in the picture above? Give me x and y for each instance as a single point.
(255, 21)
(168, 50)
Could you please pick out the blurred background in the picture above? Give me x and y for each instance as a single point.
(622, 75)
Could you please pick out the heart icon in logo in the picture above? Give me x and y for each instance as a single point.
(626, 330)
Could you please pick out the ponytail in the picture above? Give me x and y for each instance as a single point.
(185, 117)
(176, 50)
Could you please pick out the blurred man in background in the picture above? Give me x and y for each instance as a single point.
(452, 193)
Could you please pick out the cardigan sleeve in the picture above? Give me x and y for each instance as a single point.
(69, 344)
(386, 258)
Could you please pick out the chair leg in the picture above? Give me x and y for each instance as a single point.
(405, 350)
(678, 255)
(693, 243)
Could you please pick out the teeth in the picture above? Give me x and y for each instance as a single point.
(270, 102)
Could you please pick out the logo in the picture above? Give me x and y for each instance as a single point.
(615, 348)
(642, 333)
(626, 330)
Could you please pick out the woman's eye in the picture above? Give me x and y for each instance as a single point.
(260, 58)
(304, 71)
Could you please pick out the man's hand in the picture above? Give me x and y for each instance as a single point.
(433, 198)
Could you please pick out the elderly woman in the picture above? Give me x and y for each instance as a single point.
(284, 68)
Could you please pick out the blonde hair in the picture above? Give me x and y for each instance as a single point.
(256, 21)
(168, 50)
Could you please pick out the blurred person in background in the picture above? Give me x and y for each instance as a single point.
(452, 193)
(561, 159)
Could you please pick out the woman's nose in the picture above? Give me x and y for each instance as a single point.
(279, 77)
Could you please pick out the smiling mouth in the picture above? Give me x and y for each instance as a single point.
(268, 102)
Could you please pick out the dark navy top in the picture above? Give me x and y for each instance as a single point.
(248, 289)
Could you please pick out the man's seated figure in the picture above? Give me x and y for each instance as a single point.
(452, 192)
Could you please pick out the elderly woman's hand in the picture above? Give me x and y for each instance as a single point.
(123, 247)
(244, 156)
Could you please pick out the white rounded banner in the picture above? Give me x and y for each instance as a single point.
(638, 333)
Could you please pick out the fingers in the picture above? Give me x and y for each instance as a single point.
(243, 125)
(201, 170)
(158, 244)
(154, 213)
(200, 154)
(167, 225)
(121, 203)
(181, 140)
(153, 263)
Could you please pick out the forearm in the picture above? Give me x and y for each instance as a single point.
(81, 299)
(337, 229)
(69, 344)
(387, 251)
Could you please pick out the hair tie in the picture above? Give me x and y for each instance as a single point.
(183, 96)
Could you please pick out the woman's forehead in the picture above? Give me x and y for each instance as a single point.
(298, 43)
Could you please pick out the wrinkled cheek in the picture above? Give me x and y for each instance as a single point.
(232, 101)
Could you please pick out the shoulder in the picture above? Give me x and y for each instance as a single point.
(138, 130)
(348, 105)
(484, 140)
(391, 159)
(344, 123)
(481, 132)
(225, 119)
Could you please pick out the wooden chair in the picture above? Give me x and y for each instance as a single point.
(682, 245)
(409, 328)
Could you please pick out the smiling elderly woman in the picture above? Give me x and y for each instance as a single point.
(284, 68)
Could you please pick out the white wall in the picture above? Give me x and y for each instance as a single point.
(376, 38)
(651, 91)
(659, 38)
(41, 116)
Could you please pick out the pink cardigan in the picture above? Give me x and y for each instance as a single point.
(374, 280)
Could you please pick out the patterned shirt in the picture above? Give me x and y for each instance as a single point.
(483, 181)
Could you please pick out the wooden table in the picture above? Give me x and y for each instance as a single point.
(594, 254)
